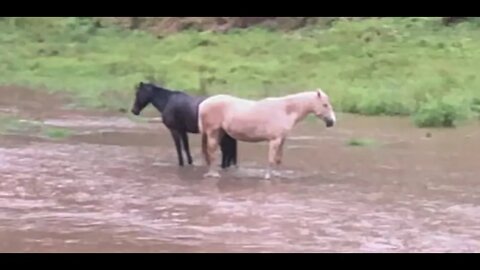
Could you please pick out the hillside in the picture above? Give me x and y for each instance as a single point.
(415, 67)
(169, 25)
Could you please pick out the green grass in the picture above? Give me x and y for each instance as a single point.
(361, 142)
(14, 125)
(57, 133)
(392, 66)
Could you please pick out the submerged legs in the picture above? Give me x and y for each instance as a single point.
(211, 148)
(186, 147)
(205, 148)
(229, 150)
(279, 155)
(275, 151)
(176, 139)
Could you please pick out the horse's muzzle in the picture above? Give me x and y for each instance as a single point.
(329, 122)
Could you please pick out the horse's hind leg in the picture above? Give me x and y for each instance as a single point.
(225, 152)
(204, 149)
(176, 139)
(231, 145)
(232, 158)
(212, 146)
(224, 149)
(228, 148)
(186, 146)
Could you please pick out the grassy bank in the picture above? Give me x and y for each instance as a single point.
(392, 66)
(14, 125)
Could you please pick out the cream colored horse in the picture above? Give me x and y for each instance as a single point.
(270, 119)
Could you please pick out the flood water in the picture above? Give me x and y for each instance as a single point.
(115, 187)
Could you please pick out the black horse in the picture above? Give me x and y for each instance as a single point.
(180, 115)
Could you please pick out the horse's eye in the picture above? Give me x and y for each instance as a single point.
(325, 105)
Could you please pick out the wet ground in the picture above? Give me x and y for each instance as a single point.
(115, 186)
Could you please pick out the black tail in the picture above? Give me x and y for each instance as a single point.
(228, 146)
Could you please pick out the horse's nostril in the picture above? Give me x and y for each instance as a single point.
(329, 123)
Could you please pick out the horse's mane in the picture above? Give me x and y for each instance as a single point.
(294, 95)
(161, 89)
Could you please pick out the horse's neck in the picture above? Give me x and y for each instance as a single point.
(299, 106)
(161, 98)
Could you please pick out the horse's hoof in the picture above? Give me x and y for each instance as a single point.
(267, 176)
(212, 175)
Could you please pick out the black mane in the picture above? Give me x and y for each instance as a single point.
(157, 89)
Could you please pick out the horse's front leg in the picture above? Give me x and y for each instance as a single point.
(279, 155)
(273, 149)
(176, 139)
(186, 146)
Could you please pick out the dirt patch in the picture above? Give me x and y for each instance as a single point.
(38, 104)
(28, 115)
(35, 104)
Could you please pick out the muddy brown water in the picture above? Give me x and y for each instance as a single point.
(115, 187)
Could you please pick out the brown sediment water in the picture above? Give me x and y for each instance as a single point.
(115, 186)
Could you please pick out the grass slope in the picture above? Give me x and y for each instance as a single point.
(393, 66)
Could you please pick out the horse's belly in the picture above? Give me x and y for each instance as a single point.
(250, 131)
(241, 136)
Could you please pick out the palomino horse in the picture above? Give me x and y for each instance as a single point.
(270, 119)
(180, 115)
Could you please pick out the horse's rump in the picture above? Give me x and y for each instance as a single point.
(223, 105)
(206, 106)
(181, 112)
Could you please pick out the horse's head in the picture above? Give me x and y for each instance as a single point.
(323, 109)
(143, 96)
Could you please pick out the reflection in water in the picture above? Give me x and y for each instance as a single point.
(123, 192)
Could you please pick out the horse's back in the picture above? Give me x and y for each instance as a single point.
(244, 119)
(225, 102)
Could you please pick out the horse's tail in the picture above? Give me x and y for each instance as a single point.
(199, 118)
(201, 131)
(200, 124)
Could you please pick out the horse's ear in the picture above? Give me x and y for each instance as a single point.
(319, 94)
